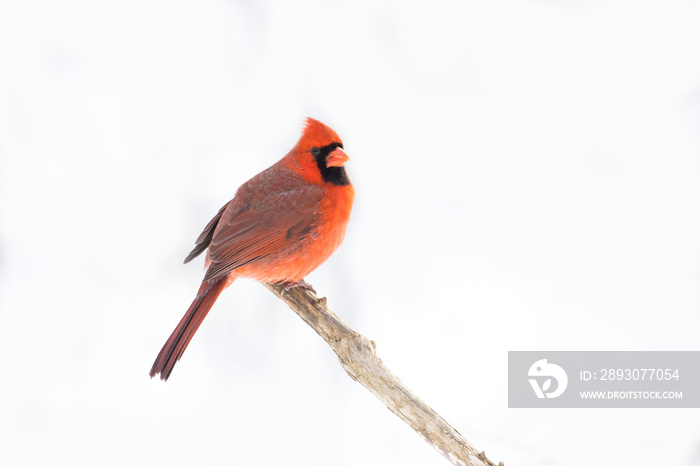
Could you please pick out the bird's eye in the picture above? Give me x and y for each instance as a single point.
(315, 151)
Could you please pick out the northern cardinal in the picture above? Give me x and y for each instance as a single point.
(282, 224)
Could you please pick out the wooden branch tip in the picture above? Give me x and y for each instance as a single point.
(358, 357)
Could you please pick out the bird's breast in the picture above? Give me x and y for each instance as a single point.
(334, 214)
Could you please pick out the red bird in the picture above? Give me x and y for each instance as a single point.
(282, 224)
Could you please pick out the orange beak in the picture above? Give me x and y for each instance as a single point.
(337, 158)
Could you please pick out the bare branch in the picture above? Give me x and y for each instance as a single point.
(358, 356)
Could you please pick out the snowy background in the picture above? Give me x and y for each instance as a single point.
(527, 176)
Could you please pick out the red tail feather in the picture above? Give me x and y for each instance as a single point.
(185, 330)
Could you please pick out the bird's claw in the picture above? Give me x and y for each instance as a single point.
(299, 283)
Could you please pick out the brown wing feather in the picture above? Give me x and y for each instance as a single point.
(205, 237)
(273, 221)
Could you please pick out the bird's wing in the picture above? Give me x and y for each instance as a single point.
(267, 225)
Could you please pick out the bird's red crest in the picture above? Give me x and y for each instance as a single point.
(317, 134)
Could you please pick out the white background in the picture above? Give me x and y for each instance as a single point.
(527, 178)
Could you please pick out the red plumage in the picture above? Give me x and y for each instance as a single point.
(282, 224)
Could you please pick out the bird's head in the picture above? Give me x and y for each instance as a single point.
(319, 156)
